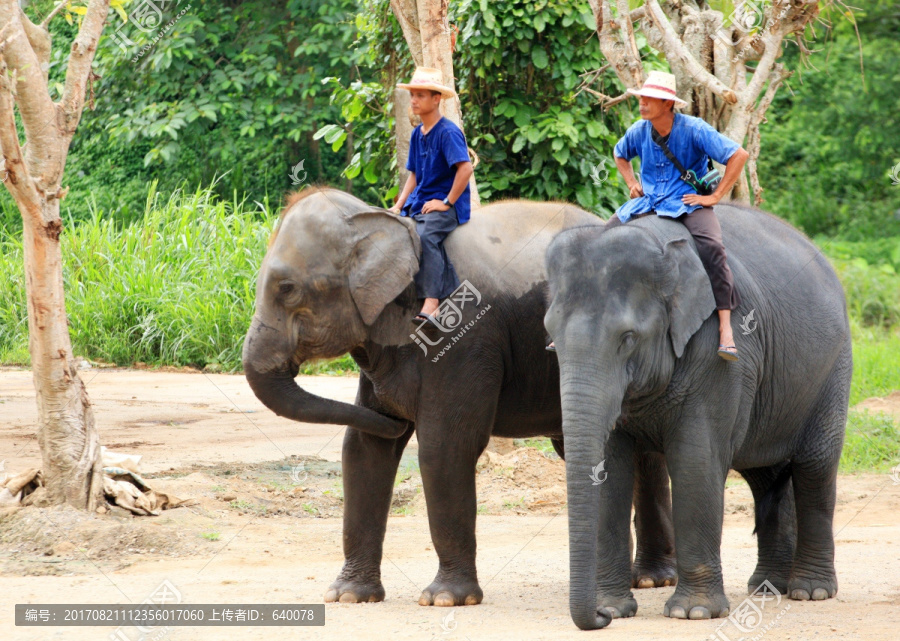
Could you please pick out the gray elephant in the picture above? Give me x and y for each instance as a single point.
(338, 278)
(631, 314)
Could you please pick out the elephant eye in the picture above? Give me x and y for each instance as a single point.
(629, 339)
(285, 289)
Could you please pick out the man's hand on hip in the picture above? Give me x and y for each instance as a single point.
(434, 205)
(635, 191)
(697, 199)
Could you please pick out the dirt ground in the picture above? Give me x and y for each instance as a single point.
(266, 528)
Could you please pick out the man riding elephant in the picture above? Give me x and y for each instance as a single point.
(437, 189)
(670, 145)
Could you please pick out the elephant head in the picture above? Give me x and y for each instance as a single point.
(333, 264)
(624, 303)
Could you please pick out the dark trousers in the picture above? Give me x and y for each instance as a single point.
(436, 277)
(704, 227)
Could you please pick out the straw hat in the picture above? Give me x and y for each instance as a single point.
(428, 78)
(659, 84)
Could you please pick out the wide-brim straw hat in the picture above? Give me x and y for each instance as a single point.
(428, 78)
(659, 84)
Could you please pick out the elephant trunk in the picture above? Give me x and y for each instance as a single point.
(587, 422)
(276, 388)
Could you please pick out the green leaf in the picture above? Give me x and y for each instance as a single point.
(500, 183)
(539, 24)
(518, 144)
(522, 118)
(324, 131)
(370, 173)
(561, 156)
(334, 134)
(539, 58)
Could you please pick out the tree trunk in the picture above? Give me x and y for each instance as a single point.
(403, 128)
(67, 436)
(66, 432)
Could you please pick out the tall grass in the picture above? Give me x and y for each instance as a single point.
(177, 287)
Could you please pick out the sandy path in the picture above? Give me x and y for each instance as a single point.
(286, 554)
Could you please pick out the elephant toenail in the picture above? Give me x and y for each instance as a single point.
(471, 600)
(699, 612)
(348, 597)
(800, 595)
(444, 600)
(819, 594)
(677, 612)
(331, 596)
(646, 583)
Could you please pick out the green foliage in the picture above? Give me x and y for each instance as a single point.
(872, 443)
(363, 108)
(875, 371)
(833, 136)
(232, 90)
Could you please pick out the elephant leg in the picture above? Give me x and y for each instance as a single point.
(814, 467)
(557, 443)
(776, 531)
(815, 487)
(654, 561)
(452, 434)
(698, 497)
(614, 559)
(369, 465)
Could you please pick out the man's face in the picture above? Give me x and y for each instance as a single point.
(653, 108)
(424, 101)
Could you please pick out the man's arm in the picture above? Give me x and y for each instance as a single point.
(733, 169)
(407, 190)
(464, 171)
(627, 171)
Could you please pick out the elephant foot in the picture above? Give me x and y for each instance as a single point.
(617, 608)
(815, 588)
(448, 593)
(352, 591)
(776, 579)
(653, 574)
(696, 606)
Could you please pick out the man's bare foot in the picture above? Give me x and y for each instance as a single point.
(430, 306)
(727, 348)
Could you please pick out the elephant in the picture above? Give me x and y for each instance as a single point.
(631, 313)
(337, 278)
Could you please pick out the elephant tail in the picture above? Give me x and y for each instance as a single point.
(767, 505)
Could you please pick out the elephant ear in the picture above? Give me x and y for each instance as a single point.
(384, 260)
(689, 294)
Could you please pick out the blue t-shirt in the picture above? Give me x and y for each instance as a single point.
(692, 141)
(431, 159)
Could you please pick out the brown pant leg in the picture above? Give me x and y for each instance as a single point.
(707, 233)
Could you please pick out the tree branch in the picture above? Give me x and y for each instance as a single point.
(407, 14)
(675, 51)
(40, 42)
(53, 13)
(17, 180)
(31, 93)
(80, 59)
